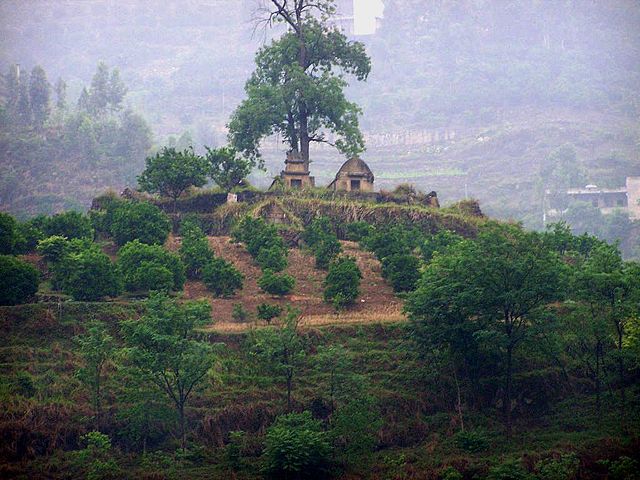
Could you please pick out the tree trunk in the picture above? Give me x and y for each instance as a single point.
(183, 435)
(598, 386)
(289, 385)
(508, 389)
(459, 399)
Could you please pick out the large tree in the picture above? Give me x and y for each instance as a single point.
(297, 89)
(171, 172)
(163, 346)
(494, 289)
(40, 96)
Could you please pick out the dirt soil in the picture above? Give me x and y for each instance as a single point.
(377, 302)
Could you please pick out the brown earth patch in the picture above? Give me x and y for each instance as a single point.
(377, 302)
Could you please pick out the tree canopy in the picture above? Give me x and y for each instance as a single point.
(297, 89)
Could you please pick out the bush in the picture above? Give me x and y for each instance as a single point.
(272, 258)
(256, 234)
(90, 275)
(8, 234)
(439, 242)
(140, 221)
(96, 458)
(102, 219)
(275, 284)
(510, 470)
(54, 249)
(471, 441)
(28, 236)
(222, 278)
(139, 263)
(358, 231)
(563, 468)
(238, 313)
(18, 282)
(393, 240)
(195, 250)
(342, 284)
(317, 231)
(326, 251)
(450, 473)
(297, 447)
(68, 224)
(268, 312)
(402, 271)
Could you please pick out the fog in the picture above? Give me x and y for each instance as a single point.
(488, 99)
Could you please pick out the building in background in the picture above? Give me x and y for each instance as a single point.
(608, 199)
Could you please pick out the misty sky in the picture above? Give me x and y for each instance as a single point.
(365, 12)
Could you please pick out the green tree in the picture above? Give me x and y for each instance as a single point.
(97, 349)
(611, 288)
(40, 96)
(8, 234)
(171, 172)
(276, 284)
(228, 169)
(140, 221)
(162, 344)
(280, 349)
(61, 95)
(402, 271)
(342, 284)
(18, 282)
(496, 288)
(69, 224)
(296, 447)
(90, 276)
(150, 267)
(222, 278)
(96, 459)
(194, 249)
(268, 312)
(295, 90)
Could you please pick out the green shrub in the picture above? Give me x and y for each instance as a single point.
(509, 470)
(275, 284)
(471, 441)
(624, 468)
(96, 459)
(326, 250)
(393, 240)
(239, 313)
(358, 231)
(24, 384)
(268, 312)
(256, 234)
(18, 282)
(272, 258)
(53, 249)
(450, 473)
(402, 271)
(563, 468)
(233, 451)
(297, 447)
(194, 250)
(222, 278)
(439, 242)
(68, 224)
(342, 284)
(90, 275)
(140, 221)
(8, 234)
(28, 236)
(138, 263)
(317, 231)
(102, 219)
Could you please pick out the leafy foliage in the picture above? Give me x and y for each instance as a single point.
(276, 284)
(18, 282)
(227, 168)
(297, 447)
(90, 275)
(402, 271)
(272, 258)
(342, 284)
(222, 278)
(8, 234)
(162, 345)
(268, 312)
(194, 250)
(144, 267)
(171, 172)
(140, 221)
